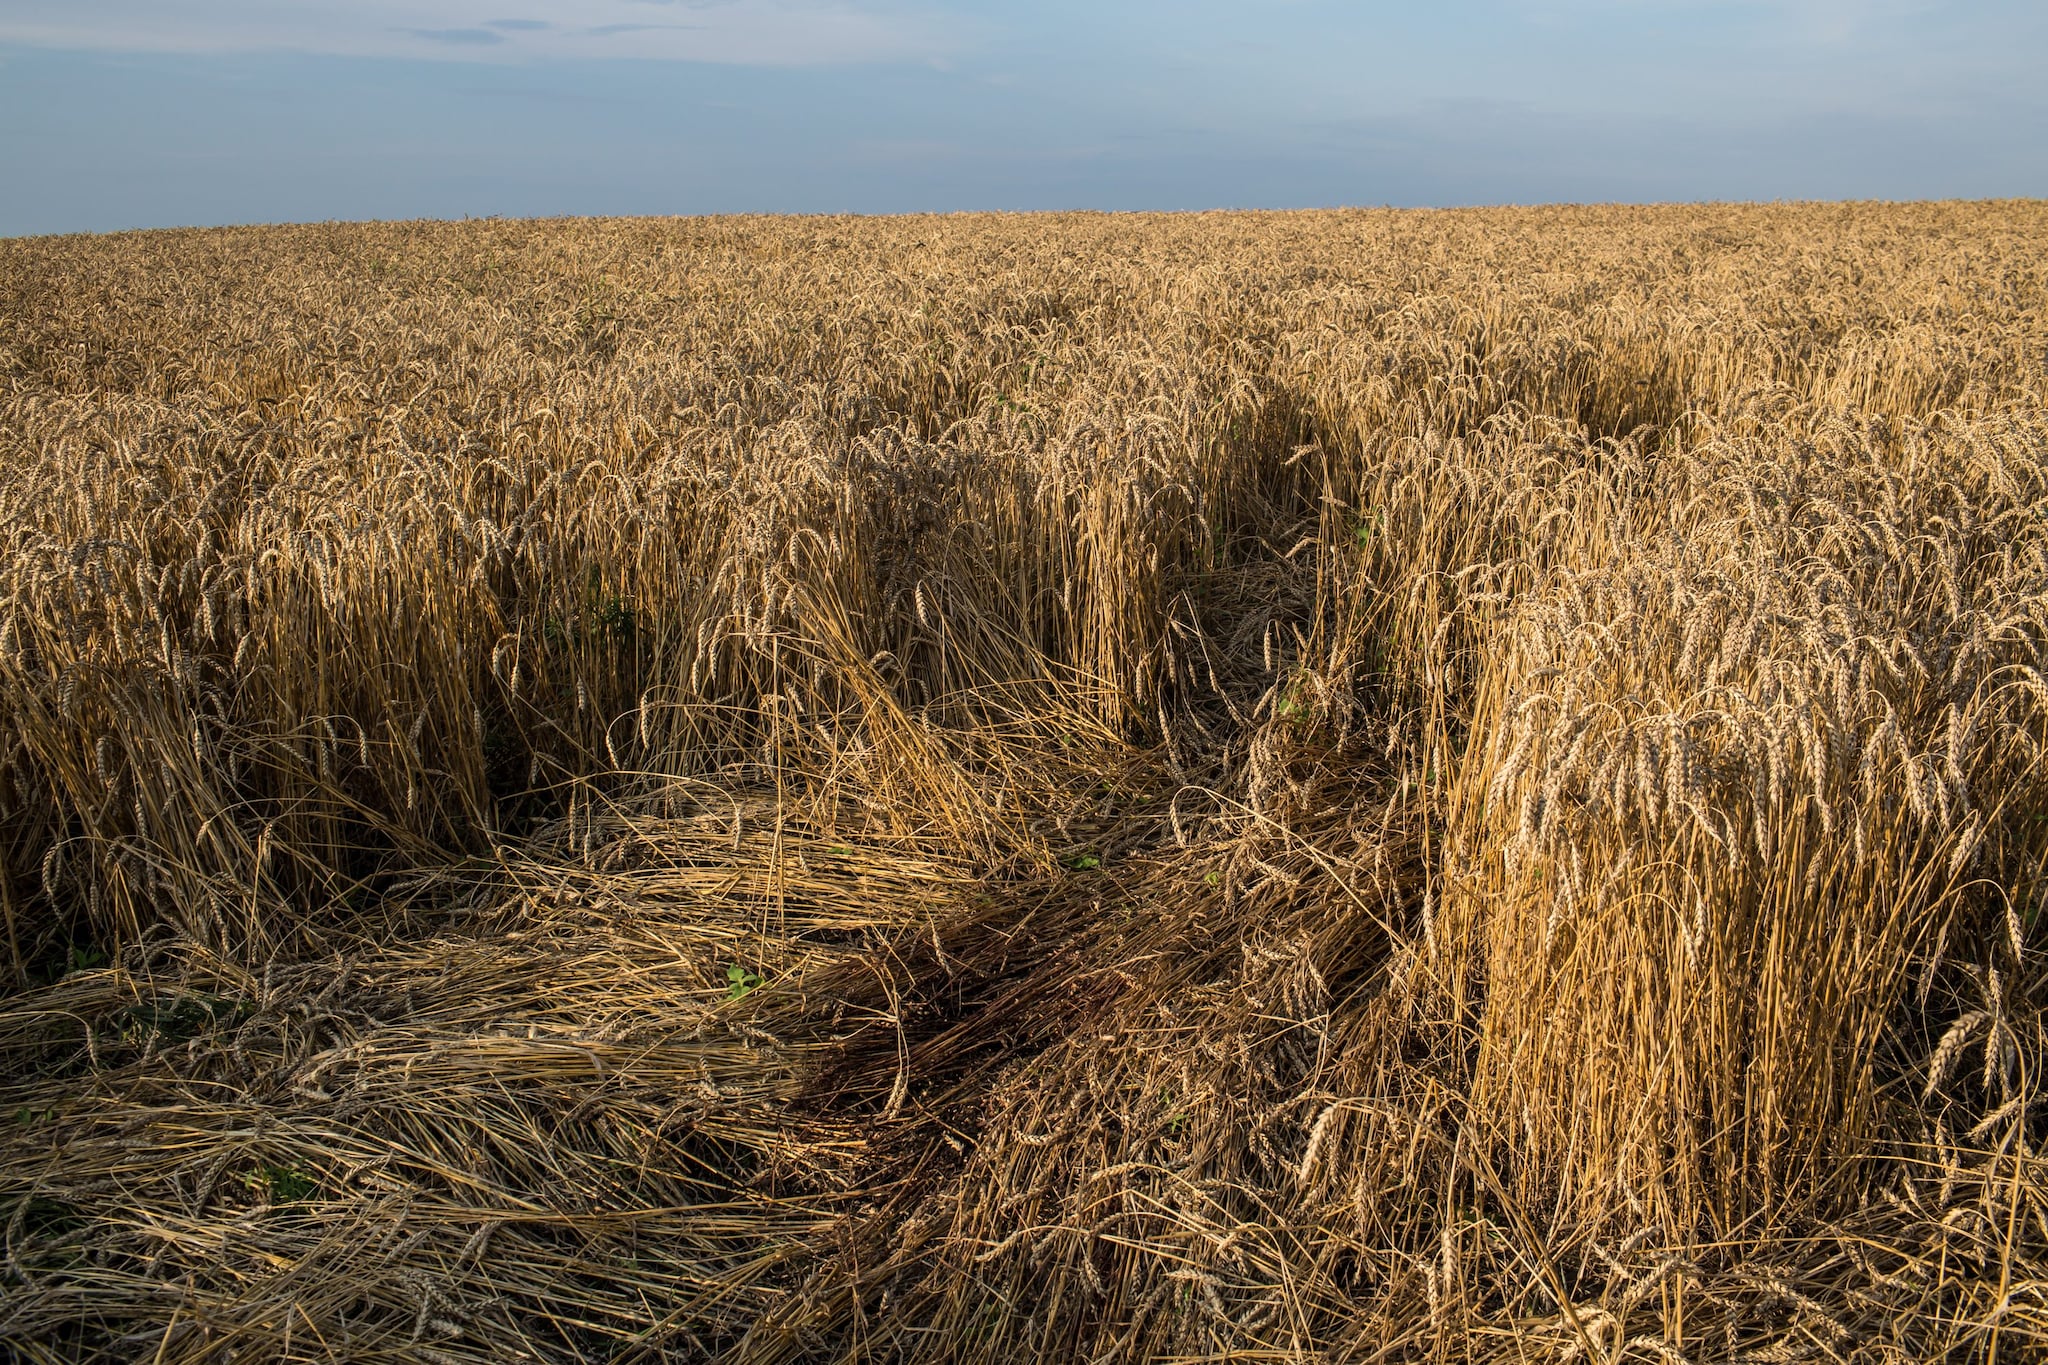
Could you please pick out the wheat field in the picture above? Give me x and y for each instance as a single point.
(1356, 786)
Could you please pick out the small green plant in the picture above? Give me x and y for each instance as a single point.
(27, 1117)
(282, 1184)
(1212, 878)
(614, 620)
(43, 1217)
(1296, 705)
(85, 957)
(184, 1017)
(739, 981)
(603, 617)
(1087, 862)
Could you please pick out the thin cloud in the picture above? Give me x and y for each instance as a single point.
(613, 30)
(736, 32)
(460, 37)
(530, 95)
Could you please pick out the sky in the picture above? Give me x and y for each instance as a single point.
(143, 113)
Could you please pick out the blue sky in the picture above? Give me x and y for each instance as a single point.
(130, 113)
